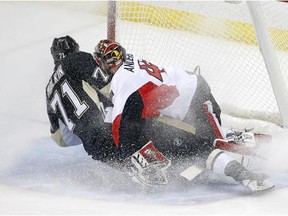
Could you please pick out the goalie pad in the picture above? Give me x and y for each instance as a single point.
(247, 145)
(244, 143)
(148, 166)
(212, 119)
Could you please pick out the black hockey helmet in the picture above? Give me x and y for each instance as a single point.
(109, 54)
(62, 46)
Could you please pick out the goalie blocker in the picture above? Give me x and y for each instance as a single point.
(148, 166)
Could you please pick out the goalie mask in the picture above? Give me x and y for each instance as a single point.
(62, 46)
(109, 54)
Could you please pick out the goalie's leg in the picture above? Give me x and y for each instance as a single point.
(204, 113)
(254, 181)
(222, 163)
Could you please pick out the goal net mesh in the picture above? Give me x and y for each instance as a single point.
(217, 36)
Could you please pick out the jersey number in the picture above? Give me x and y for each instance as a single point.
(98, 72)
(151, 69)
(80, 107)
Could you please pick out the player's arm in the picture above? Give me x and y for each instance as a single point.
(144, 163)
(59, 131)
(156, 98)
(139, 105)
(57, 136)
(64, 137)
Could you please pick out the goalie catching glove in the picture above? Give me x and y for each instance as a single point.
(148, 166)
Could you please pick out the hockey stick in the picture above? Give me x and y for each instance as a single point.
(177, 124)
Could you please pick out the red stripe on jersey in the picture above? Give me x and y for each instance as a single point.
(212, 121)
(115, 129)
(149, 110)
(145, 89)
(156, 98)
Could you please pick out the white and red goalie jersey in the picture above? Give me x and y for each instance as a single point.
(140, 89)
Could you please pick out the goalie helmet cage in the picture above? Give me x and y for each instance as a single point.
(240, 46)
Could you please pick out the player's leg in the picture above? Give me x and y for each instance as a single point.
(222, 163)
(197, 113)
(174, 142)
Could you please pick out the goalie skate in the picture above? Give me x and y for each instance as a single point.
(256, 182)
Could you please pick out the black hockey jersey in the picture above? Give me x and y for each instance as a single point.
(71, 98)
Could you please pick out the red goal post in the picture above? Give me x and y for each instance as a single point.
(242, 48)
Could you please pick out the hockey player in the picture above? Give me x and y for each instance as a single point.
(76, 110)
(140, 90)
(74, 115)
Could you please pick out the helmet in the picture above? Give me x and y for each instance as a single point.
(62, 46)
(109, 53)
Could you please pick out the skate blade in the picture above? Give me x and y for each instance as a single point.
(255, 187)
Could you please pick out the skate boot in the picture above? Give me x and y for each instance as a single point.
(240, 137)
(254, 181)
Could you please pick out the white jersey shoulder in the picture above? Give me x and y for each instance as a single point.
(136, 72)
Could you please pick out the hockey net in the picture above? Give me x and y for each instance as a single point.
(217, 36)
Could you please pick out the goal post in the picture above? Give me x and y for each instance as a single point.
(111, 20)
(269, 55)
(241, 48)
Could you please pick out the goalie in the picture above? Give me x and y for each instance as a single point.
(140, 90)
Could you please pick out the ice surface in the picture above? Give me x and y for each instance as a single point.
(38, 177)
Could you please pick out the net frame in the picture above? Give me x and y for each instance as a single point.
(248, 62)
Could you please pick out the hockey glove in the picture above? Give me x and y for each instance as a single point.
(147, 166)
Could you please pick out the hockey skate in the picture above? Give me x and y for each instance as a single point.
(147, 166)
(254, 181)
